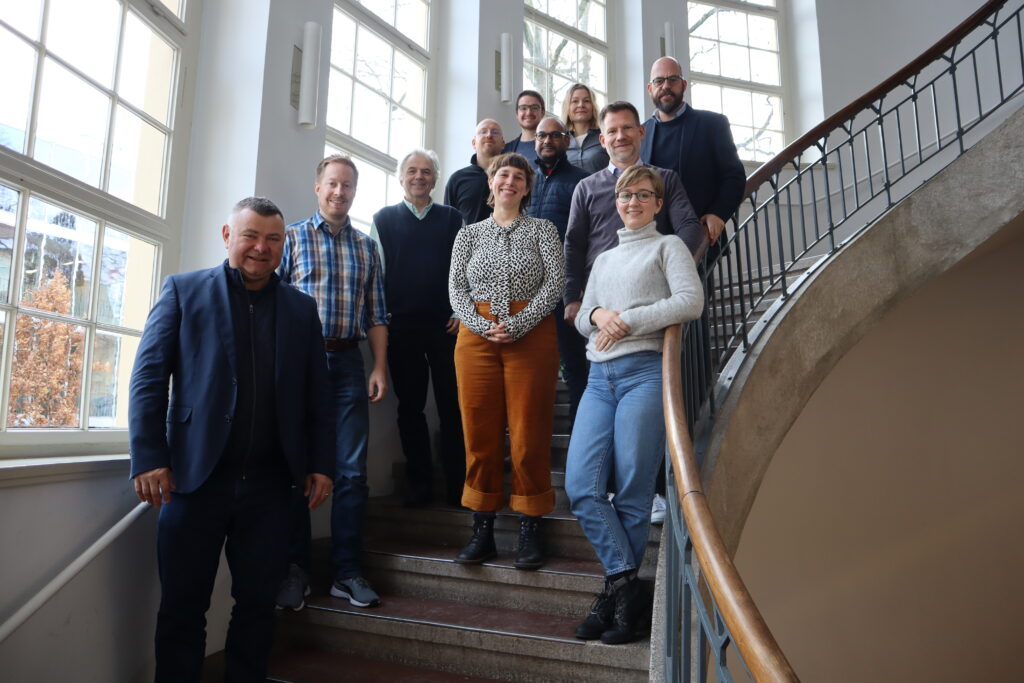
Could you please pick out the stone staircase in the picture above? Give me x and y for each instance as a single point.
(449, 622)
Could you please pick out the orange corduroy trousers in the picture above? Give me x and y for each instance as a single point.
(509, 385)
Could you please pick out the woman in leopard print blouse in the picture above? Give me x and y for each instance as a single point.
(506, 276)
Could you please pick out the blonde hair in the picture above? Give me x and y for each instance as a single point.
(593, 122)
(634, 174)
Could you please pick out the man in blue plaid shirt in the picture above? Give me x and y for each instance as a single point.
(336, 264)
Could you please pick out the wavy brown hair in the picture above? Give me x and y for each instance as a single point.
(515, 161)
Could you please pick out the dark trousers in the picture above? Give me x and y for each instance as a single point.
(572, 351)
(251, 516)
(418, 355)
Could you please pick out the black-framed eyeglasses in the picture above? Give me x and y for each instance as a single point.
(528, 107)
(555, 135)
(643, 196)
(661, 80)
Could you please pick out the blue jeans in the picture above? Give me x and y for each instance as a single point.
(619, 433)
(348, 504)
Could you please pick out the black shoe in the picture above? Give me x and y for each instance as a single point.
(529, 555)
(600, 618)
(481, 546)
(630, 604)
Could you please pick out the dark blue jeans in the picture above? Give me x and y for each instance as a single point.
(572, 351)
(251, 516)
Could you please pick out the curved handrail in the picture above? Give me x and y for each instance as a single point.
(808, 139)
(750, 633)
(69, 572)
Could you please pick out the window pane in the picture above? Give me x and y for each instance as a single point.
(385, 9)
(763, 33)
(736, 105)
(126, 280)
(559, 87)
(767, 111)
(745, 143)
(593, 69)
(339, 102)
(373, 62)
(72, 124)
(370, 126)
(372, 194)
(535, 48)
(111, 367)
(594, 21)
(735, 62)
(343, 41)
(563, 10)
(9, 200)
(85, 34)
(23, 15)
(137, 161)
(407, 89)
(58, 260)
(16, 82)
(561, 54)
(706, 96)
(704, 56)
(46, 373)
(174, 5)
(147, 67)
(732, 26)
(764, 67)
(406, 134)
(412, 20)
(703, 20)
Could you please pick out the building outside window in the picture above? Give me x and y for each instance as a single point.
(735, 68)
(377, 102)
(87, 123)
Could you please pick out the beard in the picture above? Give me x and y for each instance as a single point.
(668, 106)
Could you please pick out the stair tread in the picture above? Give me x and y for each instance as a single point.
(316, 666)
(394, 504)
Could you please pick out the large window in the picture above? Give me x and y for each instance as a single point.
(565, 42)
(376, 106)
(88, 102)
(735, 69)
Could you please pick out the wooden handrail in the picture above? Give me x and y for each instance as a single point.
(808, 139)
(762, 655)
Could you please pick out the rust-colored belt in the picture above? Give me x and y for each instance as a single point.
(335, 344)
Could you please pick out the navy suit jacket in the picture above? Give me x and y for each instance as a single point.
(708, 165)
(189, 337)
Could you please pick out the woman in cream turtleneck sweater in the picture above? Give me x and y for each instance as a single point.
(634, 292)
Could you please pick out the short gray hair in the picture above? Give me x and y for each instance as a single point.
(419, 152)
(259, 205)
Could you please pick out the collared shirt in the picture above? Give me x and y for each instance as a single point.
(342, 271)
(375, 235)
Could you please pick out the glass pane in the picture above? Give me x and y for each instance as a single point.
(16, 82)
(373, 61)
(764, 67)
(46, 373)
(370, 126)
(412, 20)
(703, 20)
(761, 3)
(561, 54)
(137, 161)
(372, 194)
(58, 260)
(385, 9)
(147, 67)
(594, 20)
(85, 34)
(126, 280)
(763, 33)
(769, 143)
(736, 105)
(542, 5)
(732, 26)
(406, 134)
(593, 69)
(563, 10)
(767, 111)
(174, 5)
(72, 124)
(3, 333)
(559, 87)
(23, 15)
(704, 56)
(343, 41)
(706, 96)
(111, 369)
(744, 138)
(535, 48)
(339, 102)
(735, 62)
(407, 89)
(9, 200)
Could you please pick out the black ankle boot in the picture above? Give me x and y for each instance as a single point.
(630, 604)
(599, 619)
(529, 555)
(481, 546)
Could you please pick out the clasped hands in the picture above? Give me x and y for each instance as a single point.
(498, 335)
(155, 486)
(611, 328)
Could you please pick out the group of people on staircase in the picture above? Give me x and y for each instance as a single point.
(564, 248)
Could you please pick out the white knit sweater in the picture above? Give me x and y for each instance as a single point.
(651, 280)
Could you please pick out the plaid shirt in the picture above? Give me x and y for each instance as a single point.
(342, 272)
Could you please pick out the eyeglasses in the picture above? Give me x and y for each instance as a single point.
(489, 133)
(528, 107)
(555, 135)
(661, 80)
(643, 196)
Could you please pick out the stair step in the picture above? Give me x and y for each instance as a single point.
(491, 642)
(311, 666)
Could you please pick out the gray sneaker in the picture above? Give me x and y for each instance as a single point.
(357, 590)
(294, 589)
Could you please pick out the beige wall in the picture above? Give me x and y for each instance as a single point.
(886, 542)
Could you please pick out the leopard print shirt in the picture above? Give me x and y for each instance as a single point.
(522, 261)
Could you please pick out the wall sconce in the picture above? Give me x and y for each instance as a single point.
(309, 80)
(670, 40)
(506, 67)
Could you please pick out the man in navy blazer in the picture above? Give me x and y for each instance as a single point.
(247, 419)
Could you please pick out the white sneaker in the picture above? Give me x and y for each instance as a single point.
(658, 509)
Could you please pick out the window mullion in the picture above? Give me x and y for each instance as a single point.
(17, 275)
(89, 339)
(108, 145)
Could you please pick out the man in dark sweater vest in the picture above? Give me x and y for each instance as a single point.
(415, 239)
(553, 186)
(467, 189)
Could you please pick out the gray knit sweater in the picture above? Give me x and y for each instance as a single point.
(651, 280)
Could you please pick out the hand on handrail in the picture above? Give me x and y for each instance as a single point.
(155, 486)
